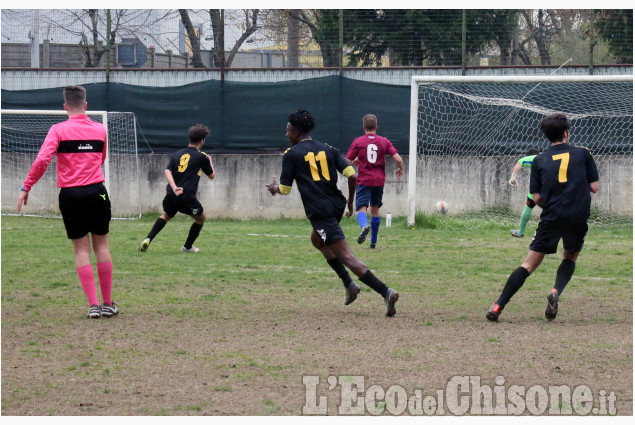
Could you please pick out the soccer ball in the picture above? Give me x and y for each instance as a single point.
(442, 207)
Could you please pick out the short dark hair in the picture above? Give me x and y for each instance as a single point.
(197, 133)
(74, 96)
(532, 151)
(302, 121)
(370, 122)
(554, 126)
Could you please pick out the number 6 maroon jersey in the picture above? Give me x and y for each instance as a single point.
(371, 150)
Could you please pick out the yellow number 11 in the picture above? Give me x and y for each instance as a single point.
(562, 173)
(312, 159)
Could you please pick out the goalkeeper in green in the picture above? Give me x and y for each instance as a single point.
(524, 162)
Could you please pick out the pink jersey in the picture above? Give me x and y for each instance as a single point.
(80, 145)
(371, 149)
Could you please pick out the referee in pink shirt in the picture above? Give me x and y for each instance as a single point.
(80, 145)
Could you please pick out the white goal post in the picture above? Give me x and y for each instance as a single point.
(466, 132)
(24, 131)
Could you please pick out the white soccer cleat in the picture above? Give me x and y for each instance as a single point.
(109, 310)
(144, 245)
(94, 312)
(193, 249)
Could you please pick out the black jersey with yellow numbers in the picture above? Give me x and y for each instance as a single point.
(186, 166)
(562, 175)
(314, 166)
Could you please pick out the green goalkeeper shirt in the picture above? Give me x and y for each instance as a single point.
(526, 162)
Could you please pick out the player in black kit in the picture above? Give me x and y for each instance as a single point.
(183, 173)
(314, 166)
(562, 180)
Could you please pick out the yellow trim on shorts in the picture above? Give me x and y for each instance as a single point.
(284, 189)
(348, 171)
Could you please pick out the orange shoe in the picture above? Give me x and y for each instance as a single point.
(493, 313)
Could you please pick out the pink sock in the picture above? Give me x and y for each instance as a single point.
(87, 279)
(104, 270)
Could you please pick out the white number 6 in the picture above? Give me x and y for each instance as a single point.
(371, 153)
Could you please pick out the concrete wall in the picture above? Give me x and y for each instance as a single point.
(30, 79)
(238, 191)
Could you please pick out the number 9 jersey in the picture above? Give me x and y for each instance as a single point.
(314, 166)
(186, 166)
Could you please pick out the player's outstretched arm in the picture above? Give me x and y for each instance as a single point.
(399, 170)
(352, 185)
(273, 187)
(23, 198)
(178, 191)
(593, 187)
(513, 180)
(211, 176)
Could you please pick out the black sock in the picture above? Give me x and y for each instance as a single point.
(195, 229)
(156, 228)
(514, 283)
(337, 265)
(563, 276)
(371, 280)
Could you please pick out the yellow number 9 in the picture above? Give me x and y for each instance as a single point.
(185, 159)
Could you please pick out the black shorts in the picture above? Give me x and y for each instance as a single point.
(328, 229)
(185, 204)
(85, 209)
(548, 235)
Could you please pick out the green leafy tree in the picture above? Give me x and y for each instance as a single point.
(417, 37)
(615, 27)
(324, 27)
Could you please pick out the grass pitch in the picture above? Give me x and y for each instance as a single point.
(232, 329)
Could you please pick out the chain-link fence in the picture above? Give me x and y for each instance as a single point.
(314, 38)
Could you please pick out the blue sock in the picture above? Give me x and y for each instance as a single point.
(374, 226)
(362, 219)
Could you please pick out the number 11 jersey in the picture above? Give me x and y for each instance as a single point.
(314, 166)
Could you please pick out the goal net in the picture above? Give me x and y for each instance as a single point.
(467, 134)
(24, 131)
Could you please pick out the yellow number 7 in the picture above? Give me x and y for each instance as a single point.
(562, 173)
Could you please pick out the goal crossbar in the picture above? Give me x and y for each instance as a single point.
(111, 150)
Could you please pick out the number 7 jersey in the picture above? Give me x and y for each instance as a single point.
(562, 175)
(314, 166)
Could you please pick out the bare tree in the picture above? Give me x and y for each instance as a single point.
(218, 29)
(293, 40)
(248, 24)
(89, 25)
(195, 41)
(541, 27)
